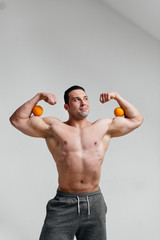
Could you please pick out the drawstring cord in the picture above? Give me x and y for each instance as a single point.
(87, 204)
(78, 205)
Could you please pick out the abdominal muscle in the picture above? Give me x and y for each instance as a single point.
(77, 175)
(78, 155)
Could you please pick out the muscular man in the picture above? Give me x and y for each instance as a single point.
(78, 148)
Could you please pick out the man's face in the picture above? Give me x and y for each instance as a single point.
(78, 104)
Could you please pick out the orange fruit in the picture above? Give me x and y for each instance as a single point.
(118, 112)
(37, 110)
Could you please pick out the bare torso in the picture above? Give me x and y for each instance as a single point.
(77, 146)
(78, 153)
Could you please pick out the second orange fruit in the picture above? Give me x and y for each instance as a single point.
(37, 110)
(118, 112)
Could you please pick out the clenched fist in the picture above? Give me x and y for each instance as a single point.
(105, 97)
(49, 98)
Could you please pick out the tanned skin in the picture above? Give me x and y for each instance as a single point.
(78, 146)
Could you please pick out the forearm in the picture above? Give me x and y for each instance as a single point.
(25, 110)
(130, 110)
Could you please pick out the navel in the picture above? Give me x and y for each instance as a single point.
(65, 142)
(81, 181)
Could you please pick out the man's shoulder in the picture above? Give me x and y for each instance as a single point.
(102, 125)
(52, 120)
(102, 121)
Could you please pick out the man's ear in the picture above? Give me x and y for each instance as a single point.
(66, 107)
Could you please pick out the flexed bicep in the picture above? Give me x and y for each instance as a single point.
(34, 127)
(120, 126)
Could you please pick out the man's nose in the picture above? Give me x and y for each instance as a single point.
(82, 102)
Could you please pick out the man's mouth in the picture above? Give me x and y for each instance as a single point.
(83, 108)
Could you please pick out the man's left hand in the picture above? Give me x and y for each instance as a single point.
(105, 97)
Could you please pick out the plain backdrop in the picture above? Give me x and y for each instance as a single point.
(49, 46)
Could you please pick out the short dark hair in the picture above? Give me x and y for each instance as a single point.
(66, 97)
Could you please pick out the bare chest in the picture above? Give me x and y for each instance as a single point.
(80, 142)
(83, 145)
(78, 154)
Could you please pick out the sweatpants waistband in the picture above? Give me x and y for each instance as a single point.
(65, 194)
(78, 195)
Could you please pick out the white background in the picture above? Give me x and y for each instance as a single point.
(49, 46)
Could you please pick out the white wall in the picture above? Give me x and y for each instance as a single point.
(49, 46)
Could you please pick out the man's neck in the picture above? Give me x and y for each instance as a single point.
(78, 123)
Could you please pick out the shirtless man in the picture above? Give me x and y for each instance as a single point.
(78, 148)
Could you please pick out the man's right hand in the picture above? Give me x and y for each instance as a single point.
(49, 98)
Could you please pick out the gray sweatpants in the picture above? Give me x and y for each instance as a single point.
(75, 214)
